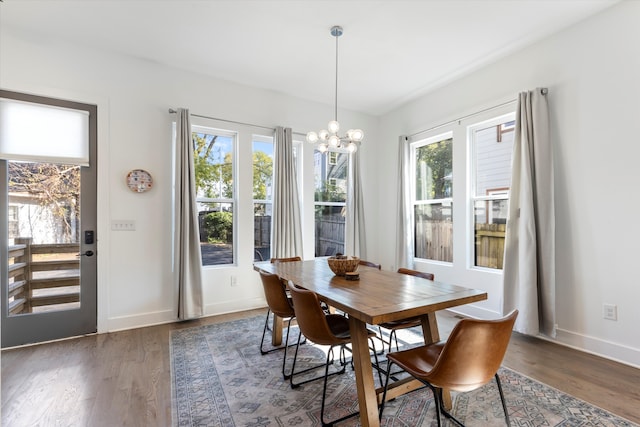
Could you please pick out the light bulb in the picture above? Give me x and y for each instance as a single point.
(333, 126)
(322, 147)
(323, 135)
(352, 147)
(356, 135)
(312, 137)
(334, 140)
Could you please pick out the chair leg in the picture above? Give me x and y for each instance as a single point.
(440, 404)
(504, 403)
(384, 393)
(293, 366)
(264, 332)
(324, 395)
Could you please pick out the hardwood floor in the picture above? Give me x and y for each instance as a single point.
(123, 378)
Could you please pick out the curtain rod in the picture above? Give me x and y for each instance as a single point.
(543, 91)
(172, 111)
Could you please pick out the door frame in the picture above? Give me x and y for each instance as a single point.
(88, 318)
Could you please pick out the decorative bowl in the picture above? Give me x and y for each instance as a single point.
(343, 264)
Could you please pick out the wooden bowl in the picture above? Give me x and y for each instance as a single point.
(343, 265)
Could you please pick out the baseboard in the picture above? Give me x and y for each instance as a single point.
(598, 347)
(234, 306)
(140, 320)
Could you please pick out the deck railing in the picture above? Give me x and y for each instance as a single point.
(42, 276)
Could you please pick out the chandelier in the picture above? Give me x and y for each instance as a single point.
(329, 138)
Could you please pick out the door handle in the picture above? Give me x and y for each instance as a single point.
(87, 253)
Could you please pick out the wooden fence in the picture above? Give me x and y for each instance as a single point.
(329, 235)
(38, 283)
(434, 241)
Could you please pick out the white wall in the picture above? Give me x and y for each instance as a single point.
(592, 71)
(133, 97)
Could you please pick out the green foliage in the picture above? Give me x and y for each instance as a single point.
(330, 193)
(218, 227)
(262, 174)
(214, 176)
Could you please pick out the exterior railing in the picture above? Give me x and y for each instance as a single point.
(37, 282)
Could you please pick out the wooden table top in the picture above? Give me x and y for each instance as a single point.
(379, 296)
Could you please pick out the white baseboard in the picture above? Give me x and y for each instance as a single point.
(598, 347)
(140, 320)
(234, 306)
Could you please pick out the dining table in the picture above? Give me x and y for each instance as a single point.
(378, 296)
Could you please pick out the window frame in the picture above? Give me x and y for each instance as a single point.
(234, 135)
(414, 145)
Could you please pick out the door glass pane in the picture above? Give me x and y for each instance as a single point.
(434, 232)
(331, 172)
(262, 197)
(44, 230)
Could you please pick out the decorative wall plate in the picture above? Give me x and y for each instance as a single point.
(139, 180)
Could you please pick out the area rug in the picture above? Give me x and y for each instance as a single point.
(220, 379)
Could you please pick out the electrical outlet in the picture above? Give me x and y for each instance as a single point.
(610, 311)
(234, 281)
(123, 225)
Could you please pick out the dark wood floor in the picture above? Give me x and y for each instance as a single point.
(123, 378)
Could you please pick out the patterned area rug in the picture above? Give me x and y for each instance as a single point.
(221, 379)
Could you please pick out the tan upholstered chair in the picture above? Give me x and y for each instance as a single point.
(370, 264)
(323, 329)
(280, 305)
(404, 323)
(467, 360)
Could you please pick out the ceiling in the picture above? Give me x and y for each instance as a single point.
(391, 51)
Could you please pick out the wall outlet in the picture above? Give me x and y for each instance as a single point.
(610, 311)
(123, 225)
(234, 281)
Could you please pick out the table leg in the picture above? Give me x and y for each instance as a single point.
(431, 335)
(367, 399)
(276, 331)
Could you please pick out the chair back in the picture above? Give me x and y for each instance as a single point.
(424, 275)
(310, 317)
(472, 354)
(289, 259)
(276, 296)
(370, 264)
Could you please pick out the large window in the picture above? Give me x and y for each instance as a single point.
(262, 196)
(214, 159)
(491, 148)
(432, 198)
(331, 171)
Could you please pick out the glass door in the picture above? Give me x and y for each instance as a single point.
(48, 222)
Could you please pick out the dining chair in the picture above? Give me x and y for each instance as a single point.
(288, 259)
(323, 329)
(370, 264)
(396, 325)
(467, 360)
(280, 305)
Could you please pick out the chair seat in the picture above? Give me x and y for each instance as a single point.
(419, 360)
(339, 326)
(402, 324)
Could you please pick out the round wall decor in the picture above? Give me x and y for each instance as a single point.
(139, 180)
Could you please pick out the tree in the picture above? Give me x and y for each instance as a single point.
(436, 158)
(213, 167)
(56, 187)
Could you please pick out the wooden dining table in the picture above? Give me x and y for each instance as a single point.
(378, 296)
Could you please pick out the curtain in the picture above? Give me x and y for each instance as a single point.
(355, 244)
(404, 228)
(187, 256)
(286, 224)
(529, 264)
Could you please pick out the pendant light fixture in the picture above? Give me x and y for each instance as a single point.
(329, 138)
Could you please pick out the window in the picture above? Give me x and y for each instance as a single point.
(432, 197)
(262, 196)
(491, 149)
(330, 170)
(214, 162)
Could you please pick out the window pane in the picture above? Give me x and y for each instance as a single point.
(331, 176)
(493, 147)
(434, 232)
(434, 171)
(331, 171)
(262, 195)
(214, 174)
(329, 230)
(490, 219)
(213, 160)
(216, 232)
